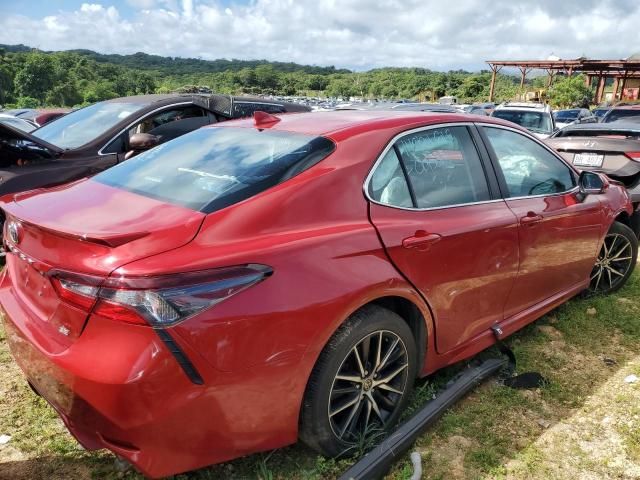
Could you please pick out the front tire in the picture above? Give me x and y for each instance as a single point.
(616, 260)
(361, 382)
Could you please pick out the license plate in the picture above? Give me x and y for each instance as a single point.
(588, 159)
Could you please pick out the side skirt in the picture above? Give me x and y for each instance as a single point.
(377, 462)
(508, 326)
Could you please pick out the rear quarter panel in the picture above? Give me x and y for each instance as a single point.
(314, 231)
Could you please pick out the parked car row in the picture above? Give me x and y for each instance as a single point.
(234, 288)
(94, 138)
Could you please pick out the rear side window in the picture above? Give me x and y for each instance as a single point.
(246, 109)
(443, 167)
(529, 169)
(213, 168)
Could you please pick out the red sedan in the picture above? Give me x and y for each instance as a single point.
(257, 282)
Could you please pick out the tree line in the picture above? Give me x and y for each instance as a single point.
(32, 78)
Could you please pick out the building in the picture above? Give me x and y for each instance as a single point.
(625, 74)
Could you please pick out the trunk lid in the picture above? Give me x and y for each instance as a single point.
(614, 161)
(87, 228)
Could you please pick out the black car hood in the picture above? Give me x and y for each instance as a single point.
(8, 133)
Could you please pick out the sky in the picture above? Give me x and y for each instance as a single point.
(355, 34)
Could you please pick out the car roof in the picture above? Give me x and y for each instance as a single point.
(352, 122)
(626, 107)
(152, 98)
(524, 107)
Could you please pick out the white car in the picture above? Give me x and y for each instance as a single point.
(535, 117)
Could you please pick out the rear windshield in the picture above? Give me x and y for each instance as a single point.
(535, 121)
(566, 115)
(213, 168)
(620, 113)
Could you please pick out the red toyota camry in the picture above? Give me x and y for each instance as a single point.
(261, 281)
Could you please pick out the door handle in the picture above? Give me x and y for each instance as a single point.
(531, 219)
(421, 240)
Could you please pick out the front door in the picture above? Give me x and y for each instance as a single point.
(443, 229)
(559, 232)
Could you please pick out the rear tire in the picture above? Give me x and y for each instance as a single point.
(616, 260)
(360, 384)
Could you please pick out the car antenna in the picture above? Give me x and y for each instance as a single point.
(264, 120)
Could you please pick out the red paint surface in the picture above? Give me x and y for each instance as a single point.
(117, 386)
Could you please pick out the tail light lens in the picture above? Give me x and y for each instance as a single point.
(157, 301)
(633, 155)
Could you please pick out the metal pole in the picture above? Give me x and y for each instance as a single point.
(600, 91)
(616, 82)
(492, 87)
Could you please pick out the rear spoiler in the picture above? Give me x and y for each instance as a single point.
(106, 239)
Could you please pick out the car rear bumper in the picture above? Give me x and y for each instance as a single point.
(119, 387)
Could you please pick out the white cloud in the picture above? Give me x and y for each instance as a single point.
(346, 33)
(142, 4)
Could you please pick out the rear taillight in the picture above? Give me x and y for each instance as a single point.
(76, 289)
(633, 155)
(83, 296)
(157, 301)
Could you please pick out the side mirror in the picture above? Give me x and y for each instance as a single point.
(143, 141)
(592, 183)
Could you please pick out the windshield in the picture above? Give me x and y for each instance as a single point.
(18, 123)
(80, 127)
(618, 114)
(537, 122)
(600, 112)
(213, 168)
(566, 115)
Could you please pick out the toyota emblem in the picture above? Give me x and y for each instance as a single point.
(13, 229)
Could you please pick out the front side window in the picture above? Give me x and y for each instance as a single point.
(166, 125)
(529, 168)
(567, 115)
(443, 167)
(212, 168)
(160, 121)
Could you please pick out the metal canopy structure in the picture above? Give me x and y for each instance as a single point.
(620, 70)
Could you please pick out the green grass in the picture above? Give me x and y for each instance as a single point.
(477, 436)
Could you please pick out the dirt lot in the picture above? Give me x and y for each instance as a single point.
(585, 424)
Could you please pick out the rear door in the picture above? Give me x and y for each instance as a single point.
(559, 233)
(437, 212)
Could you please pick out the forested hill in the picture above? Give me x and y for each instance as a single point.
(34, 78)
(181, 66)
